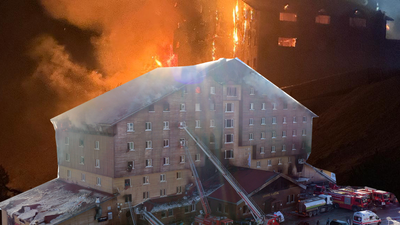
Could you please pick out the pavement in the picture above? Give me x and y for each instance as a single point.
(389, 215)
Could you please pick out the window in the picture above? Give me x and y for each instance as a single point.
(252, 91)
(97, 164)
(280, 161)
(274, 106)
(67, 158)
(82, 162)
(228, 138)
(258, 164)
(145, 195)
(294, 119)
(66, 140)
(284, 120)
(284, 133)
(148, 126)
(304, 119)
(128, 198)
(166, 107)
(273, 134)
(303, 132)
(97, 145)
(294, 133)
(179, 190)
(149, 163)
(293, 146)
(251, 137)
(228, 154)
(163, 193)
(212, 90)
(289, 160)
(303, 145)
(229, 107)
(294, 106)
(262, 150)
(212, 123)
(98, 181)
(151, 108)
(197, 107)
(182, 142)
(323, 19)
(219, 207)
(127, 183)
(163, 214)
(357, 22)
(131, 146)
(146, 180)
(130, 166)
(251, 121)
(197, 157)
(263, 106)
(198, 124)
(166, 125)
(68, 173)
(129, 127)
(83, 177)
(290, 17)
(285, 105)
(178, 175)
(283, 148)
(262, 135)
(166, 143)
(149, 144)
(292, 198)
(228, 123)
(186, 209)
(251, 106)
(170, 212)
(273, 149)
(212, 106)
(269, 162)
(231, 91)
(193, 207)
(262, 121)
(162, 178)
(288, 199)
(166, 160)
(212, 138)
(182, 107)
(274, 120)
(81, 142)
(182, 159)
(287, 42)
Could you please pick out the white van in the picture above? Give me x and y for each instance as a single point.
(366, 217)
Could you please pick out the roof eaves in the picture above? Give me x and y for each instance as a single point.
(267, 182)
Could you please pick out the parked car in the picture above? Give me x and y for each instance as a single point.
(338, 222)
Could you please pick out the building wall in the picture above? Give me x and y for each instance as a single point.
(105, 153)
(90, 179)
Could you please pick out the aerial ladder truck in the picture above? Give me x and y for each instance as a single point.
(256, 212)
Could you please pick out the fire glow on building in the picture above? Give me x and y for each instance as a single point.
(222, 29)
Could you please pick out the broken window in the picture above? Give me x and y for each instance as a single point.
(166, 107)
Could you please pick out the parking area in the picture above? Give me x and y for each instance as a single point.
(389, 215)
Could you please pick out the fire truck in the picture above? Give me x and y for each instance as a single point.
(258, 214)
(358, 192)
(379, 198)
(347, 200)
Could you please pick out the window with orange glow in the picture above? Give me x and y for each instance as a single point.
(287, 42)
(323, 19)
(291, 17)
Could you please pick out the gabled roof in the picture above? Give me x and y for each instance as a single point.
(54, 201)
(251, 181)
(135, 95)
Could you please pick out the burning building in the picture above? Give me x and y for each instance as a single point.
(126, 147)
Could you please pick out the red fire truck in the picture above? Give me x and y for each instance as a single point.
(359, 192)
(379, 198)
(346, 200)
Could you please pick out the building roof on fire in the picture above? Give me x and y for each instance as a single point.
(137, 94)
(245, 177)
(53, 202)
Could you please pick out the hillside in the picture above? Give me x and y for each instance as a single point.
(357, 135)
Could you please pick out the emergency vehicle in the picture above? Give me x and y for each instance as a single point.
(379, 198)
(346, 200)
(366, 217)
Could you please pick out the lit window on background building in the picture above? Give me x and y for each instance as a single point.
(323, 19)
(291, 17)
(287, 42)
